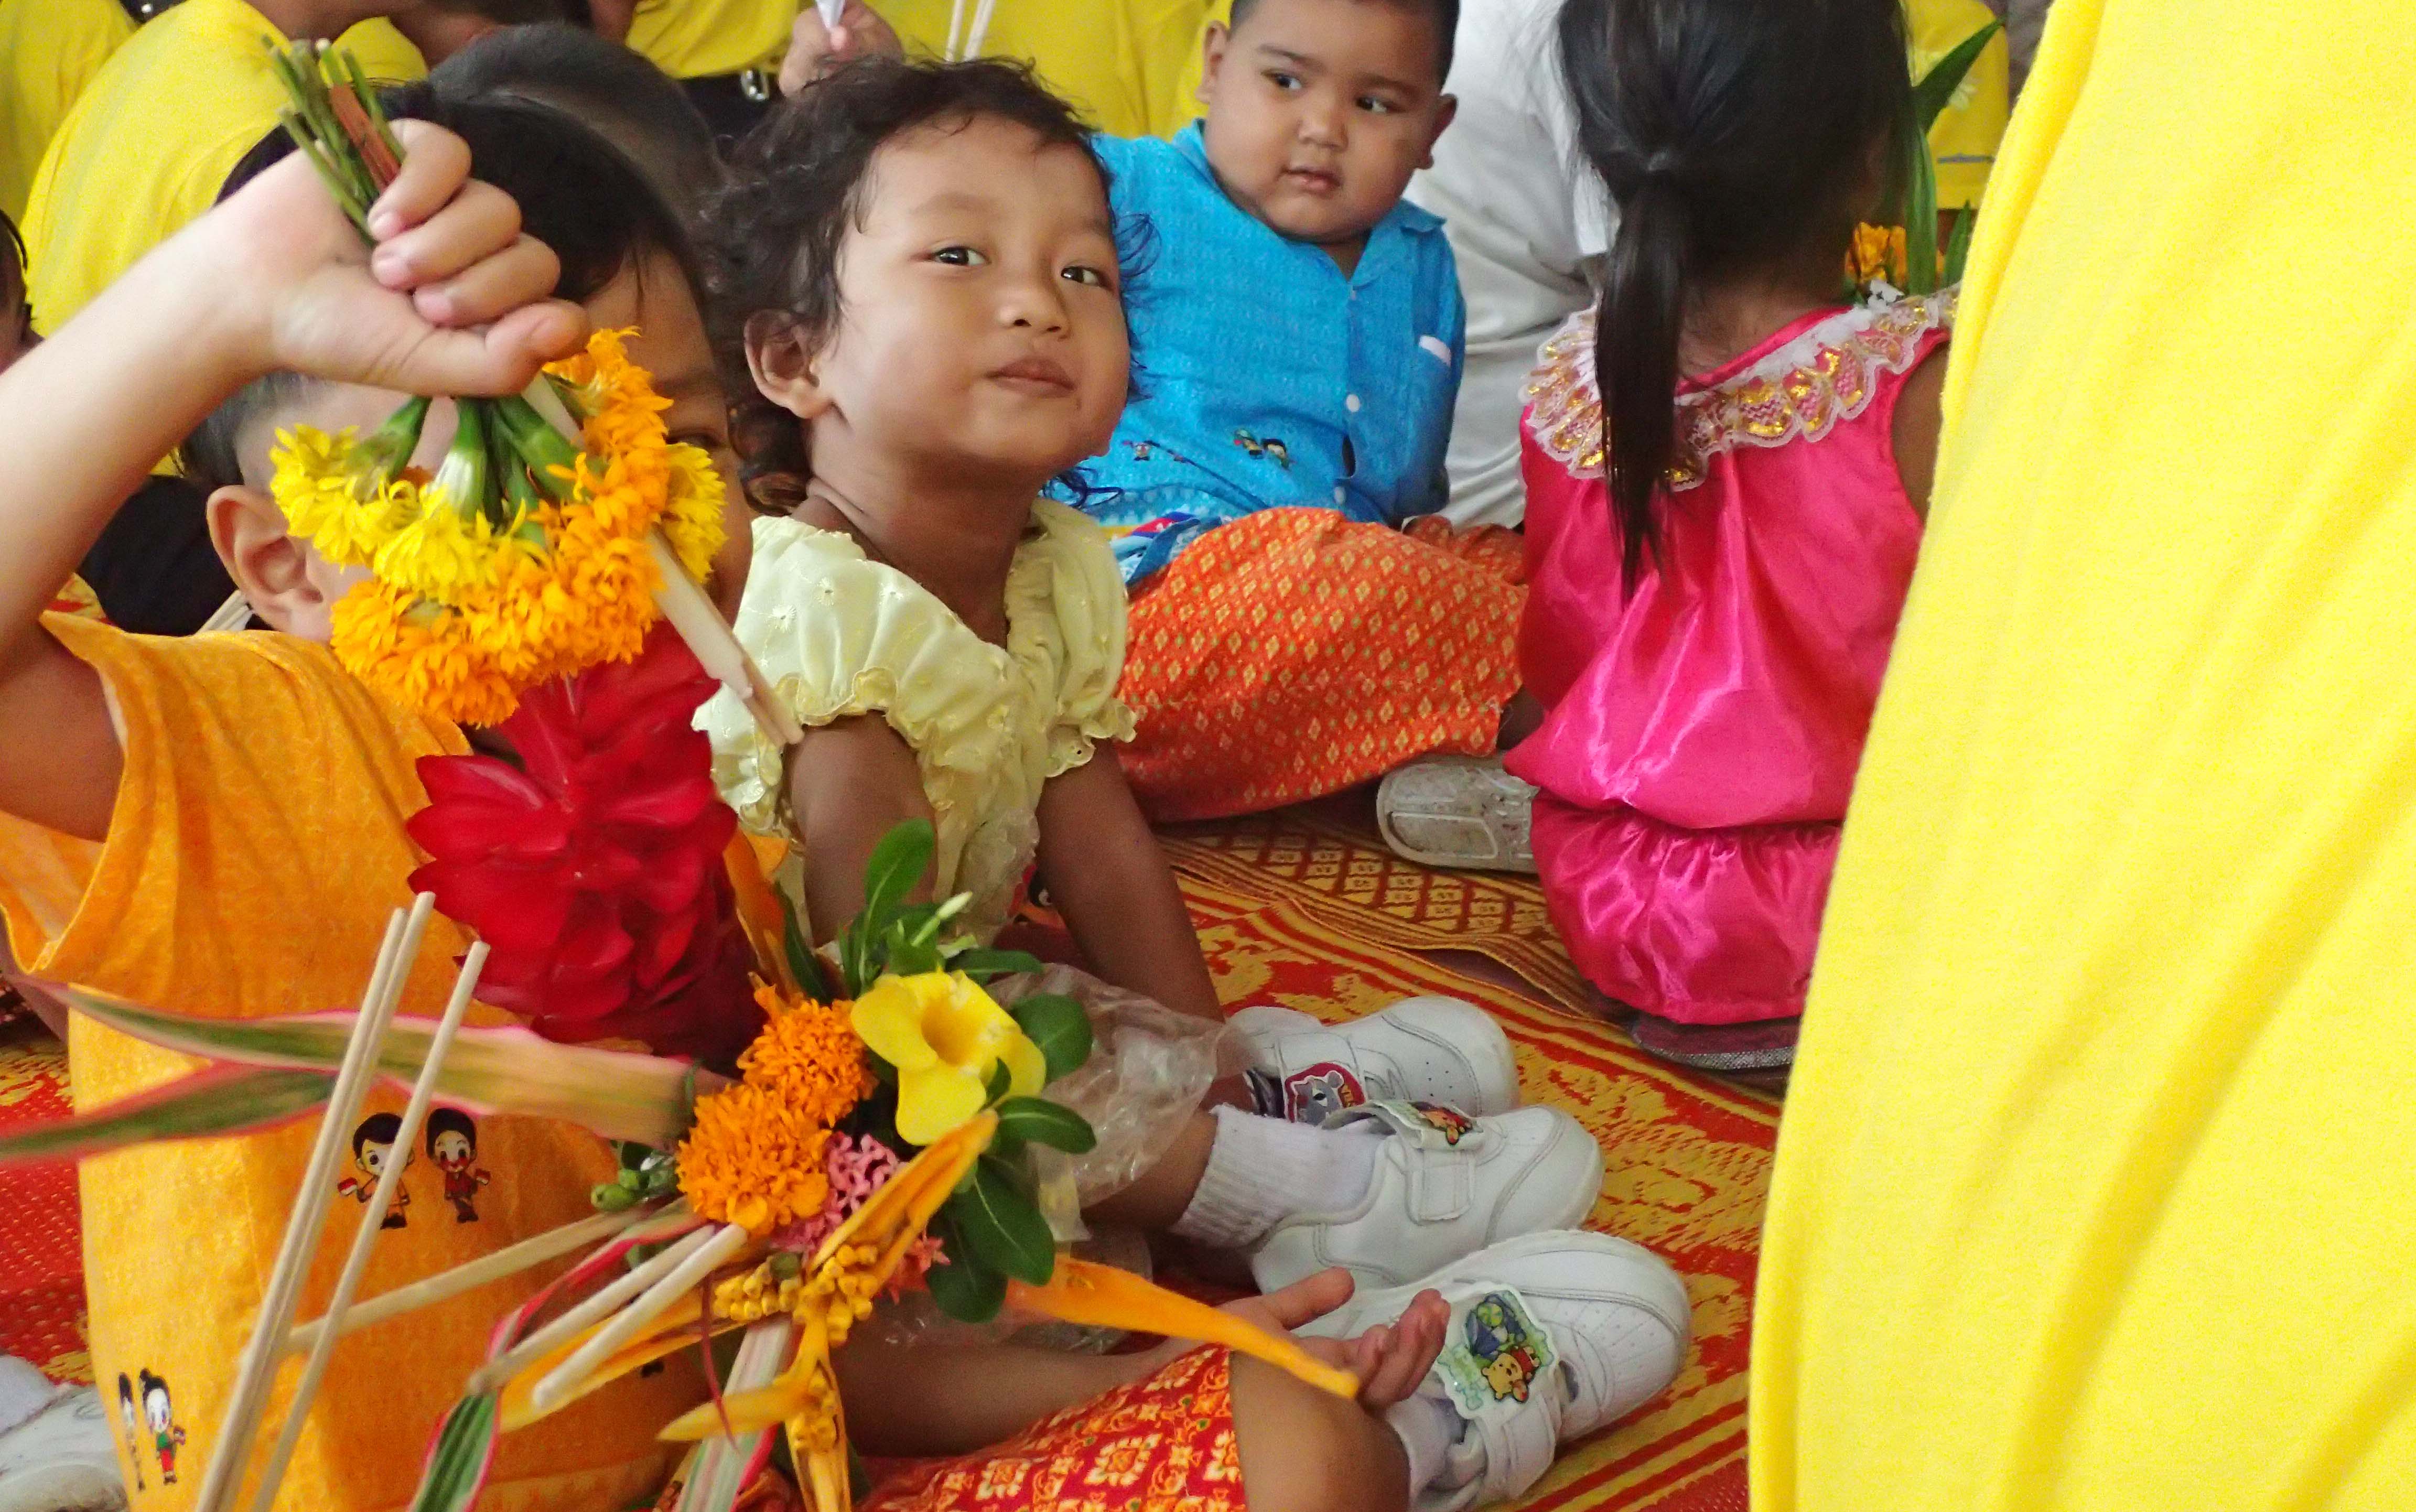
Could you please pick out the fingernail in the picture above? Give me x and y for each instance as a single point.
(385, 222)
(387, 263)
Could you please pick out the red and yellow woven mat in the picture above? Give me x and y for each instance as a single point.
(42, 1243)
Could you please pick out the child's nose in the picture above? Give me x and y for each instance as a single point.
(1035, 302)
(1323, 121)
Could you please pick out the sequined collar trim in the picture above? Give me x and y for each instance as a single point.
(1802, 388)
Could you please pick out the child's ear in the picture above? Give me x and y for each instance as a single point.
(1212, 58)
(783, 368)
(1446, 111)
(268, 565)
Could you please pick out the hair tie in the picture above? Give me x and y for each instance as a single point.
(1662, 164)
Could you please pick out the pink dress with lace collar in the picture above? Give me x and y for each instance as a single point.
(1702, 733)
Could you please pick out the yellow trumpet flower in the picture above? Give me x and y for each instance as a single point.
(944, 1034)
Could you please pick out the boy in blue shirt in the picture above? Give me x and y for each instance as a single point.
(1296, 336)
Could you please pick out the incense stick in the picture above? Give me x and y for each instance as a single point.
(495, 1372)
(354, 1078)
(560, 1383)
(406, 1137)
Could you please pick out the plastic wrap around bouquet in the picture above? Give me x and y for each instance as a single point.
(559, 526)
(881, 1136)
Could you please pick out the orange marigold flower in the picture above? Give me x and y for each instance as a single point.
(751, 1159)
(808, 1055)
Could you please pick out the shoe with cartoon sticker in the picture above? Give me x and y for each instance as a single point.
(1552, 1336)
(1446, 1185)
(1420, 1050)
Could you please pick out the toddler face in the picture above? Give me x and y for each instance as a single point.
(1318, 111)
(980, 318)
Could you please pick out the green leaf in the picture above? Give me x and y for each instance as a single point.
(222, 1100)
(1001, 1079)
(964, 1287)
(982, 965)
(905, 952)
(896, 867)
(457, 1466)
(800, 951)
(1959, 245)
(1920, 216)
(1060, 1027)
(508, 1070)
(1003, 1224)
(1043, 1122)
(1936, 88)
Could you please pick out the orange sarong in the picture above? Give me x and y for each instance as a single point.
(1294, 653)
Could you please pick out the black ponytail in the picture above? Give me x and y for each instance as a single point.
(1733, 136)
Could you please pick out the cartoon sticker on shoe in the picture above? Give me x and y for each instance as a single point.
(372, 1147)
(1453, 1125)
(132, 1416)
(1499, 1355)
(453, 1144)
(1317, 1092)
(166, 1435)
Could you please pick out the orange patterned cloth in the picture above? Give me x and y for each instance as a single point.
(1292, 653)
(1166, 1442)
(75, 597)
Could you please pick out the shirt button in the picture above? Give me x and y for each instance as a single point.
(1351, 403)
(1341, 495)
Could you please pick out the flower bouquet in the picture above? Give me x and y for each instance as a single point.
(560, 524)
(878, 1138)
(1907, 257)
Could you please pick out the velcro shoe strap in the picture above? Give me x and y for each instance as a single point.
(1442, 1175)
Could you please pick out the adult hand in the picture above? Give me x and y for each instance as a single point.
(815, 49)
(1389, 1360)
(452, 299)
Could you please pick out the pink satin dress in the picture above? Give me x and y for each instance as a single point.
(1702, 733)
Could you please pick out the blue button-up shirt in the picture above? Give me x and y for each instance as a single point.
(1261, 377)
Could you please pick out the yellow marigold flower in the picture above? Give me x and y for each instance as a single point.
(1877, 253)
(807, 1054)
(346, 517)
(749, 1159)
(944, 1034)
(692, 511)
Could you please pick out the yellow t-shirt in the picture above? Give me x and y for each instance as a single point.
(2093, 1193)
(254, 855)
(151, 140)
(49, 50)
(1964, 137)
(702, 39)
(1131, 67)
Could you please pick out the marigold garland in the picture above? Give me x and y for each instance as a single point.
(466, 611)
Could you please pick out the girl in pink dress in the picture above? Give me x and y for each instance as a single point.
(1725, 472)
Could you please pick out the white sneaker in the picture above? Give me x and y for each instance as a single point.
(1420, 1050)
(1552, 1336)
(1446, 1185)
(1457, 811)
(61, 1458)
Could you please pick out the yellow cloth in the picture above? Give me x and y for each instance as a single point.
(1131, 67)
(2092, 1193)
(1964, 137)
(151, 140)
(840, 635)
(701, 39)
(49, 50)
(255, 852)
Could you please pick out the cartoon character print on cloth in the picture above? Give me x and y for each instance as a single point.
(372, 1147)
(131, 1416)
(1453, 1125)
(167, 1435)
(1497, 1354)
(453, 1144)
(1315, 1092)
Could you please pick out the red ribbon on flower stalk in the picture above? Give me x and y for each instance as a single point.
(593, 870)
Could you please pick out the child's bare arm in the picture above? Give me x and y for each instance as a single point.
(1920, 415)
(850, 783)
(274, 279)
(1107, 876)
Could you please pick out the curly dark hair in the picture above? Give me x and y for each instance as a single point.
(772, 235)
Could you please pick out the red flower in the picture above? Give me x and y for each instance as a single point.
(593, 870)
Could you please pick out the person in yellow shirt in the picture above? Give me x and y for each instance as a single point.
(1963, 140)
(214, 824)
(1131, 68)
(2094, 1193)
(726, 54)
(49, 50)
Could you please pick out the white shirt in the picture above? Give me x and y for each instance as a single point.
(1523, 216)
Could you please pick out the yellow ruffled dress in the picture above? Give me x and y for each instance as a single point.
(842, 635)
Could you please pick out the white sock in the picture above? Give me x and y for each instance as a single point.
(1262, 1171)
(1428, 1428)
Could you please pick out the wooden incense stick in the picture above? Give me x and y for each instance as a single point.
(495, 1372)
(560, 1385)
(257, 1372)
(407, 1138)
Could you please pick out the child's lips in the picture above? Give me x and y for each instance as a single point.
(1037, 376)
(1313, 180)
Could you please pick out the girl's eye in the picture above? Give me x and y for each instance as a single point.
(1282, 80)
(1091, 276)
(960, 257)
